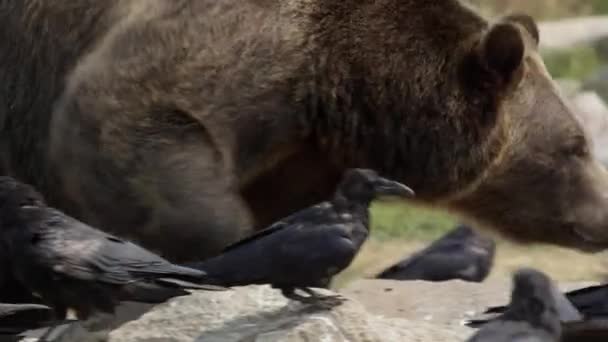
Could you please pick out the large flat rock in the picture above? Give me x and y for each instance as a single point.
(375, 310)
(260, 314)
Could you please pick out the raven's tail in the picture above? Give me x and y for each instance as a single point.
(477, 323)
(205, 284)
(151, 293)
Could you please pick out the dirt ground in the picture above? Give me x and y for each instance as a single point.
(561, 264)
(456, 300)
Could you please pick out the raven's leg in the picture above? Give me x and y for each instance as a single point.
(289, 292)
(325, 300)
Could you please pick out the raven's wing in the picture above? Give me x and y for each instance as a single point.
(317, 213)
(16, 318)
(590, 301)
(7, 309)
(81, 251)
(431, 260)
(302, 248)
(253, 261)
(312, 248)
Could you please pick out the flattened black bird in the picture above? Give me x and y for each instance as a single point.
(462, 253)
(583, 314)
(309, 247)
(532, 315)
(591, 301)
(71, 265)
(17, 318)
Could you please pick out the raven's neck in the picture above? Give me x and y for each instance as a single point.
(359, 210)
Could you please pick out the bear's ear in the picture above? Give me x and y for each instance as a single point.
(500, 53)
(527, 22)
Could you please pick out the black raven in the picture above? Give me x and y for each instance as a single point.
(589, 322)
(591, 301)
(532, 315)
(71, 265)
(462, 253)
(309, 247)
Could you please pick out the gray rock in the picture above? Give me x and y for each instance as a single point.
(376, 311)
(261, 314)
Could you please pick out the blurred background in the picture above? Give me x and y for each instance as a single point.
(574, 45)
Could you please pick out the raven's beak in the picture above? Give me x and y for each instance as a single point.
(387, 187)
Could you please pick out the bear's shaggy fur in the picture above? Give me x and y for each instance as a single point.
(183, 124)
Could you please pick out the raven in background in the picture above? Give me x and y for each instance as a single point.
(71, 265)
(532, 315)
(309, 247)
(462, 254)
(588, 323)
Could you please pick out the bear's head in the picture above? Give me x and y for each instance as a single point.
(542, 184)
(464, 111)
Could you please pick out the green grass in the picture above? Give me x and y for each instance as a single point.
(575, 63)
(398, 220)
(599, 6)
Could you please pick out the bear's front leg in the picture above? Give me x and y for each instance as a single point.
(156, 178)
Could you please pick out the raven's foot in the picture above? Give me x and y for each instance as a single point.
(314, 298)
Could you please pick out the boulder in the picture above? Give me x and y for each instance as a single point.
(375, 310)
(261, 314)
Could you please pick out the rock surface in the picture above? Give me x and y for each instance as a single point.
(377, 310)
(260, 314)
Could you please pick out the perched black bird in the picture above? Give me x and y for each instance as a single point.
(71, 265)
(532, 314)
(17, 318)
(462, 253)
(309, 247)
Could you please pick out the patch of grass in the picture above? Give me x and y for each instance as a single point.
(599, 6)
(399, 220)
(576, 63)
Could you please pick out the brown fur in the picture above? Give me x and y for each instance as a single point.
(184, 123)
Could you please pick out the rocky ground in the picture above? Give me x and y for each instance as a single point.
(376, 310)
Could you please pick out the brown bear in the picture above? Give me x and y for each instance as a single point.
(185, 124)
